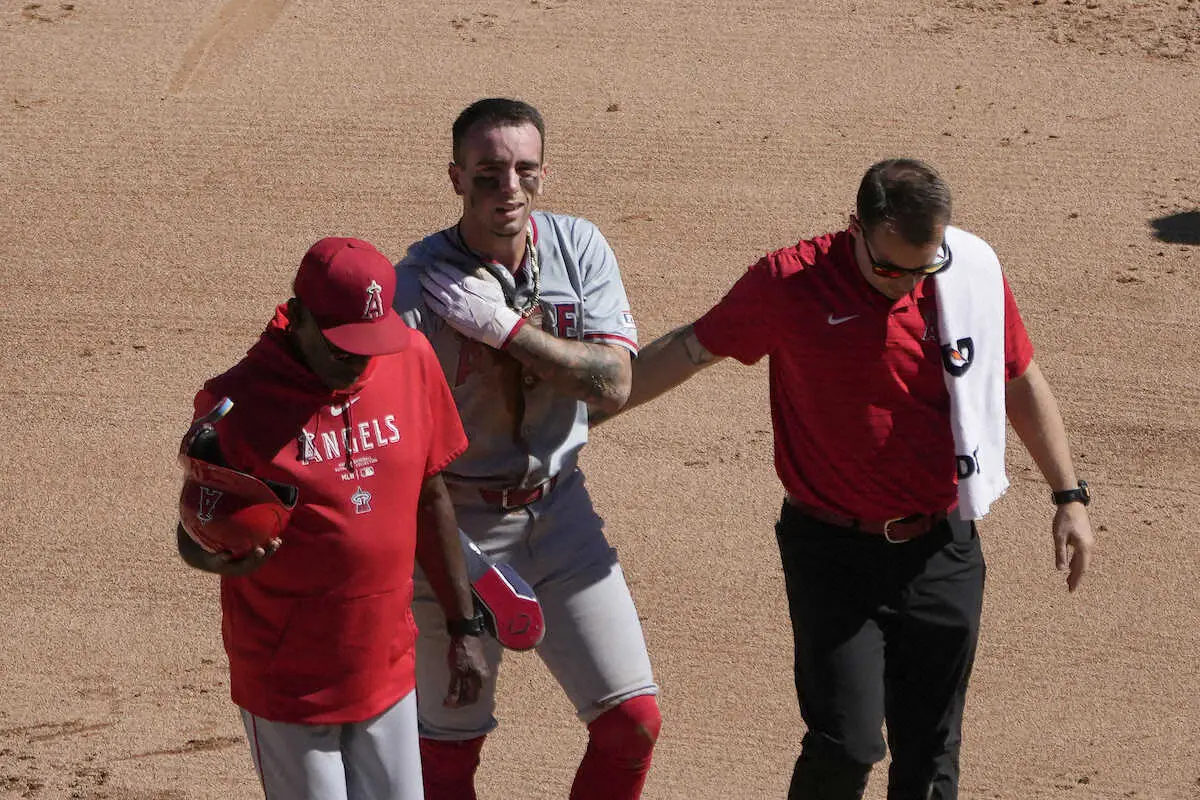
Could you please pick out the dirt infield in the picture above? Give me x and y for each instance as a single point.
(163, 166)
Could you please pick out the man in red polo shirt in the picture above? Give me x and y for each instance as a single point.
(888, 398)
(339, 399)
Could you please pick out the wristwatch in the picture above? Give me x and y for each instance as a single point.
(466, 626)
(1080, 495)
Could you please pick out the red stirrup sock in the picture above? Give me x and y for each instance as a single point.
(620, 746)
(448, 768)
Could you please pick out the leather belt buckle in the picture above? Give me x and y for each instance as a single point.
(512, 498)
(515, 498)
(887, 530)
(920, 524)
(896, 530)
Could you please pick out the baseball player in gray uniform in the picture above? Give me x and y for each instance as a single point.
(529, 319)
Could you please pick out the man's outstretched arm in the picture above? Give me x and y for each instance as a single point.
(661, 366)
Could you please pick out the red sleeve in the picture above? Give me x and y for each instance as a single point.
(1018, 350)
(236, 456)
(447, 440)
(740, 326)
(203, 403)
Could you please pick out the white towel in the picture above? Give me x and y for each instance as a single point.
(970, 300)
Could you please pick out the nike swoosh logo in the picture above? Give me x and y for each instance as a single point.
(337, 410)
(839, 320)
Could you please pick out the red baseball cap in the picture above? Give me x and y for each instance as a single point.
(348, 286)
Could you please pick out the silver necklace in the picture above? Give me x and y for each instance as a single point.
(531, 258)
(535, 272)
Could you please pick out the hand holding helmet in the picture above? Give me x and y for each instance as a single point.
(234, 517)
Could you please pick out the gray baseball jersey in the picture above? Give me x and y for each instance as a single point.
(521, 432)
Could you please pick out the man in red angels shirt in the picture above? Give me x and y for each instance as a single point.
(889, 392)
(341, 400)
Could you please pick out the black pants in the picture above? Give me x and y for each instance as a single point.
(883, 632)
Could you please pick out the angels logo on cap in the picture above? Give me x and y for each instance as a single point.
(333, 278)
(374, 309)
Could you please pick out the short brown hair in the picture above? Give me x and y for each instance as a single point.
(496, 111)
(907, 194)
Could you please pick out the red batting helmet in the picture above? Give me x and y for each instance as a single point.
(221, 508)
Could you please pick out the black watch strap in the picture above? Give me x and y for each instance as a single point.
(1080, 495)
(466, 626)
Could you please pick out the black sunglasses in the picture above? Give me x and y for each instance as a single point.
(885, 269)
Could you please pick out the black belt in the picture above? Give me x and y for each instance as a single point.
(895, 530)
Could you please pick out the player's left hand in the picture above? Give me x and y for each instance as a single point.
(1073, 542)
(468, 671)
(471, 303)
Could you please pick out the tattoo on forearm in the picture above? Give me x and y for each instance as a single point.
(592, 372)
(695, 351)
(600, 386)
(595, 370)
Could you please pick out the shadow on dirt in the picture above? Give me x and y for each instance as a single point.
(1181, 228)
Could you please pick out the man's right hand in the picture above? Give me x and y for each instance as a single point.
(472, 303)
(222, 563)
(468, 671)
(226, 565)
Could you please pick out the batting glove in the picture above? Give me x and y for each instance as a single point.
(472, 304)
